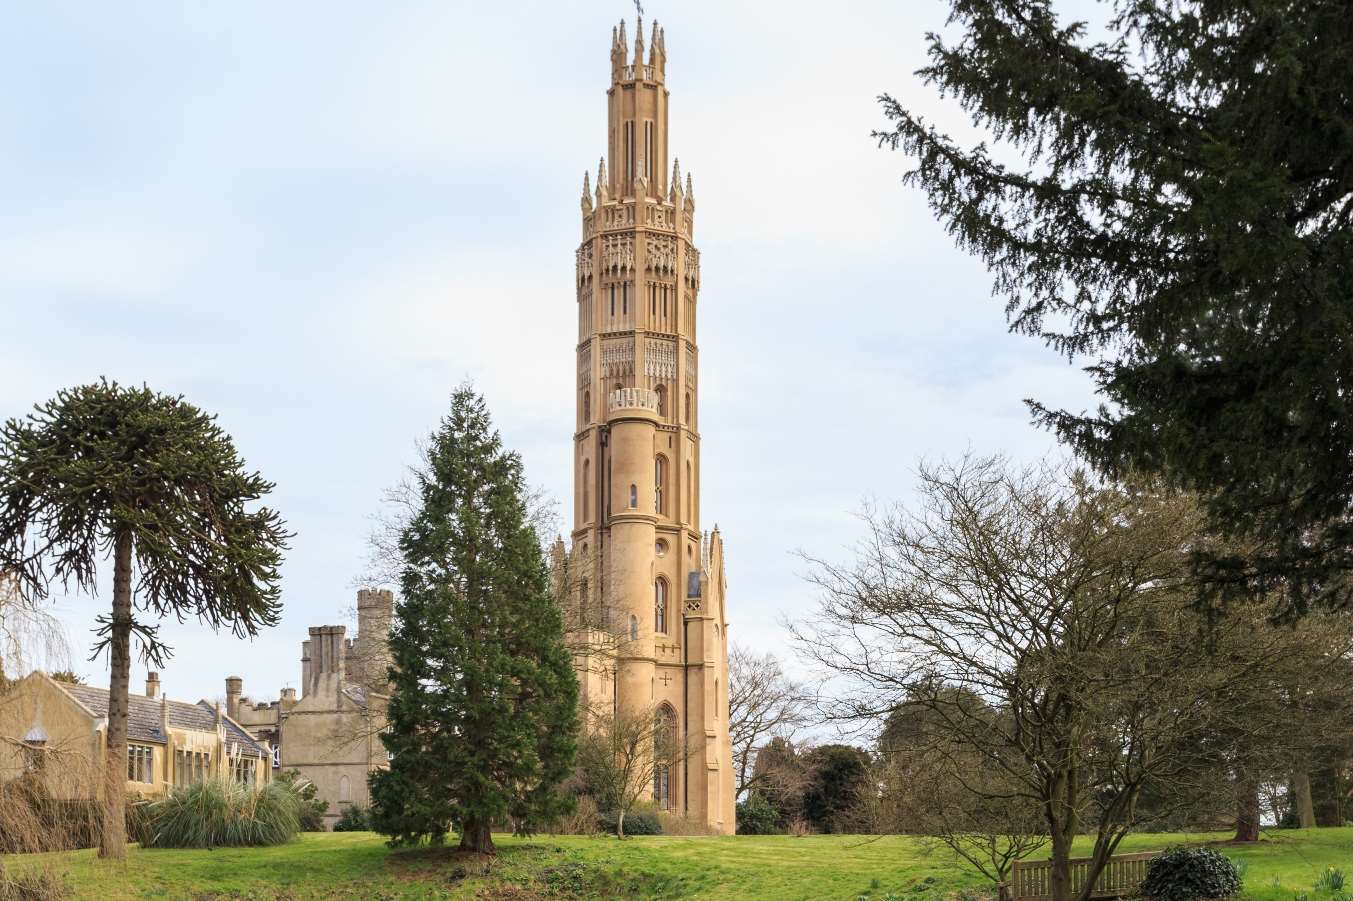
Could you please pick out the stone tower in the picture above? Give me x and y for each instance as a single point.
(648, 583)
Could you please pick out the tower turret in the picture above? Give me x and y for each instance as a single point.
(637, 546)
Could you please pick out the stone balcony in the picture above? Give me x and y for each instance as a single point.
(634, 399)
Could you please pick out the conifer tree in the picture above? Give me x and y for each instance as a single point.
(1173, 202)
(483, 715)
(154, 483)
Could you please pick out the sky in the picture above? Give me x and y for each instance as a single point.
(316, 219)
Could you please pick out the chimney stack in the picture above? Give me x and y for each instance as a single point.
(234, 689)
(152, 684)
(288, 699)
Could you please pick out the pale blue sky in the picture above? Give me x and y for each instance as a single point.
(316, 219)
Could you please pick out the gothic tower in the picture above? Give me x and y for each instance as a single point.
(648, 583)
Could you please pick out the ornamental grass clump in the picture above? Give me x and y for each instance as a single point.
(218, 814)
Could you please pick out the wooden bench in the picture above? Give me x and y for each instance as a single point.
(1031, 880)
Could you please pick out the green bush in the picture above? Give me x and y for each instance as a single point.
(756, 816)
(637, 822)
(218, 813)
(354, 819)
(1188, 874)
(312, 809)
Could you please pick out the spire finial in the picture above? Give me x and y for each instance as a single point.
(676, 175)
(587, 185)
(690, 192)
(639, 41)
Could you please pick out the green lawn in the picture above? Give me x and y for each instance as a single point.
(358, 865)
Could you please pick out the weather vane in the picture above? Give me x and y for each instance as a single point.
(639, 7)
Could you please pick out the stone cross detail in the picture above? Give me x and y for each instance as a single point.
(666, 679)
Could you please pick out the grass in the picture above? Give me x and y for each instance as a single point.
(358, 865)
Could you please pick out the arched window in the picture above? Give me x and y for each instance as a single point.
(344, 790)
(587, 407)
(661, 392)
(587, 490)
(665, 743)
(688, 408)
(660, 605)
(634, 627)
(634, 496)
(659, 484)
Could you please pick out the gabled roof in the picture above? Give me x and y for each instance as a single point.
(143, 717)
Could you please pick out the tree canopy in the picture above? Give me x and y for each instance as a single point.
(1181, 217)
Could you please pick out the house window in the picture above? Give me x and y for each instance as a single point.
(587, 407)
(194, 766)
(659, 484)
(634, 628)
(634, 496)
(243, 770)
(140, 763)
(277, 756)
(660, 605)
(344, 790)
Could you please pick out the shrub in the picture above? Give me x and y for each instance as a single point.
(1185, 874)
(312, 809)
(637, 822)
(583, 820)
(217, 814)
(756, 816)
(354, 819)
(32, 821)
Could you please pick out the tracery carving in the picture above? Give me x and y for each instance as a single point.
(584, 259)
(617, 358)
(690, 367)
(661, 254)
(693, 267)
(660, 360)
(617, 254)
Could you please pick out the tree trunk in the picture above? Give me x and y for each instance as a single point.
(1059, 882)
(1305, 807)
(477, 836)
(113, 842)
(1247, 811)
(620, 823)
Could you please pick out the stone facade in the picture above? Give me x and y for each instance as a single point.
(59, 730)
(331, 734)
(643, 570)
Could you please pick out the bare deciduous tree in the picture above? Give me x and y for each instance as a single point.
(621, 752)
(1064, 606)
(763, 703)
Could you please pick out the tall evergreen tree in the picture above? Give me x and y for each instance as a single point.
(154, 483)
(483, 714)
(1183, 218)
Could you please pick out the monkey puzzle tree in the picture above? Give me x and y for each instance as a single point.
(152, 481)
(483, 712)
(1173, 201)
